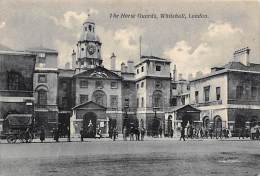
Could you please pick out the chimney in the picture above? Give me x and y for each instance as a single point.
(113, 61)
(180, 76)
(74, 62)
(123, 67)
(130, 65)
(174, 73)
(242, 56)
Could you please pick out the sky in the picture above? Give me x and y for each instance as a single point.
(191, 44)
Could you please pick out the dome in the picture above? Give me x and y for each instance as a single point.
(89, 37)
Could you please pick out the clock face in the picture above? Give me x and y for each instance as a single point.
(91, 49)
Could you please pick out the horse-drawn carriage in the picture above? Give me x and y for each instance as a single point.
(19, 127)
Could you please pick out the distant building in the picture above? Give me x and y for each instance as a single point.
(16, 88)
(229, 97)
(46, 88)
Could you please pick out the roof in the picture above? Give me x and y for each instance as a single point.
(151, 58)
(42, 49)
(187, 108)
(88, 103)
(12, 52)
(98, 72)
(232, 67)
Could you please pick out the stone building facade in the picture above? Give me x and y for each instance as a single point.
(45, 88)
(16, 88)
(229, 96)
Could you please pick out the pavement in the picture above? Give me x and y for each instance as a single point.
(151, 157)
(120, 138)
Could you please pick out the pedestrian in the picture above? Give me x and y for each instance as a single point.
(42, 134)
(160, 131)
(211, 133)
(114, 133)
(81, 135)
(241, 133)
(131, 133)
(171, 133)
(137, 134)
(182, 134)
(257, 133)
(124, 134)
(56, 134)
(99, 133)
(142, 133)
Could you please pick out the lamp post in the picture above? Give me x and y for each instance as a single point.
(126, 115)
(155, 126)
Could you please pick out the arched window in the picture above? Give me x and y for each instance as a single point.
(217, 122)
(206, 122)
(100, 98)
(42, 97)
(157, 99)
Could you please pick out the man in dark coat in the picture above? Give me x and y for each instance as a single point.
(182, 134)
(42, 134)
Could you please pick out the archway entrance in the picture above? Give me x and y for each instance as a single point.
(217, 123)
(206, 122)
(89, 125)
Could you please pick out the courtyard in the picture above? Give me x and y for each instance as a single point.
(151, 157)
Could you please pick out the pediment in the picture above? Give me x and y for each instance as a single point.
(99, 72)
(90, 105)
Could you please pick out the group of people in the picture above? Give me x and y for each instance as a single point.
(134, 133)
(191, 132)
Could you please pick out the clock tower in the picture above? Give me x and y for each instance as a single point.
(88, 47)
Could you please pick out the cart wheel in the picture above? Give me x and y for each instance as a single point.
(11, 139)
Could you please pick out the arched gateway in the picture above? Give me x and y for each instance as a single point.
(89, 124)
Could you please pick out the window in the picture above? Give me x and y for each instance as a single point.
(83, 84)
(99, 84)
(100, 98)
(83, 98)
(64, 102)
(183, 100)
(218, 93)
(42, 97)
(239, 91)
(188, 87)
(64, 85)
(137, 71)
(137, 86)
(142, 68)
(142, 102)
(158, 84)
(174, 86)
(126, 85)
(42, 78)
(42, 55)
(157, 99)
(196, 96)
(137, 102)
(113, 85)
(158, 68)
(253, 92)
(142, 84)
(206, 93)
(113, 101)
(127, 102)
(174, 102)
(13, 81)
